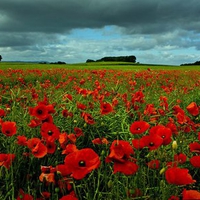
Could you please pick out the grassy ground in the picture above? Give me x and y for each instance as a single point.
(45, 114)
(95, 65)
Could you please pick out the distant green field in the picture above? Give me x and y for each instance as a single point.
(95, 65)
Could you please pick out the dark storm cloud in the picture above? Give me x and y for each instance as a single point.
(24, 40)
(136, 16)
(38, 29)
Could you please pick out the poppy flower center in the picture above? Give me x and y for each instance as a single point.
(105, 107)
(163, 136)
(151, 144)
(34, 145)
(138, 128)
(82, 163)
(50, 132)
(47, 171)
(7, 132)
(89, 118)
(39, 112)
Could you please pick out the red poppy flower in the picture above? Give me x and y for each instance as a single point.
(152, 141)
(1, 121)
(31, 143)
(63, 170)
(45, 195)
(100, 141)
(172, 164)
(38, 149)
(181, 118)
(154, 129)
(81, 162)
(177, 109)
(6, 160)
(78, 132)
(40, 111)
(119, 151)
(66, 113)
(150, 110)
(21, 140)
(164, 133)
(195, 161)
(105, 108)
(193, 109)
(191, 195)
(63, 139)
(88, 118)
(2, 113)
(68, 96)
(49, 131)
(178, 176)
(161, 111)
(72, 138)
(174, 198)
(115, 102)
(81, 106)
(138, 143)
(195, 147)
(127, 167)
(173, 128)
(138, 97)
(50, 108)
(48, 174)
(180, 158)
(68, 197)
(23, 196)
(34, 123)
(8, 128)
(48, 119)
(139, 127)
(51, 147)
(154, 164)
(65, 184)
(164, 103)
(120, 154)
(69, 149)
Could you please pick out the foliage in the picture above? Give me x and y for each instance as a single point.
(195, 63)
(118, 59)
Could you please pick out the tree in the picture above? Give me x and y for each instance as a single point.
(0, 57)
(119, 59)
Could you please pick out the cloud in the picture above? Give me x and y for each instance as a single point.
(76, 30)
(136, 16)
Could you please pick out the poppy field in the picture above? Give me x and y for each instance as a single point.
(99, 134)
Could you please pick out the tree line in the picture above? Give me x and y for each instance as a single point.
(195, 63)
(115, 59)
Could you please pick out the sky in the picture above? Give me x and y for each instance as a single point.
(72, 31)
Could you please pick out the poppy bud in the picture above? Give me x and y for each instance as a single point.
(110, 184)
(75, 121)
(58, 172)
(174, 145)
(57, 190)
(102, 153)
(85, 125)
(162, 170)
